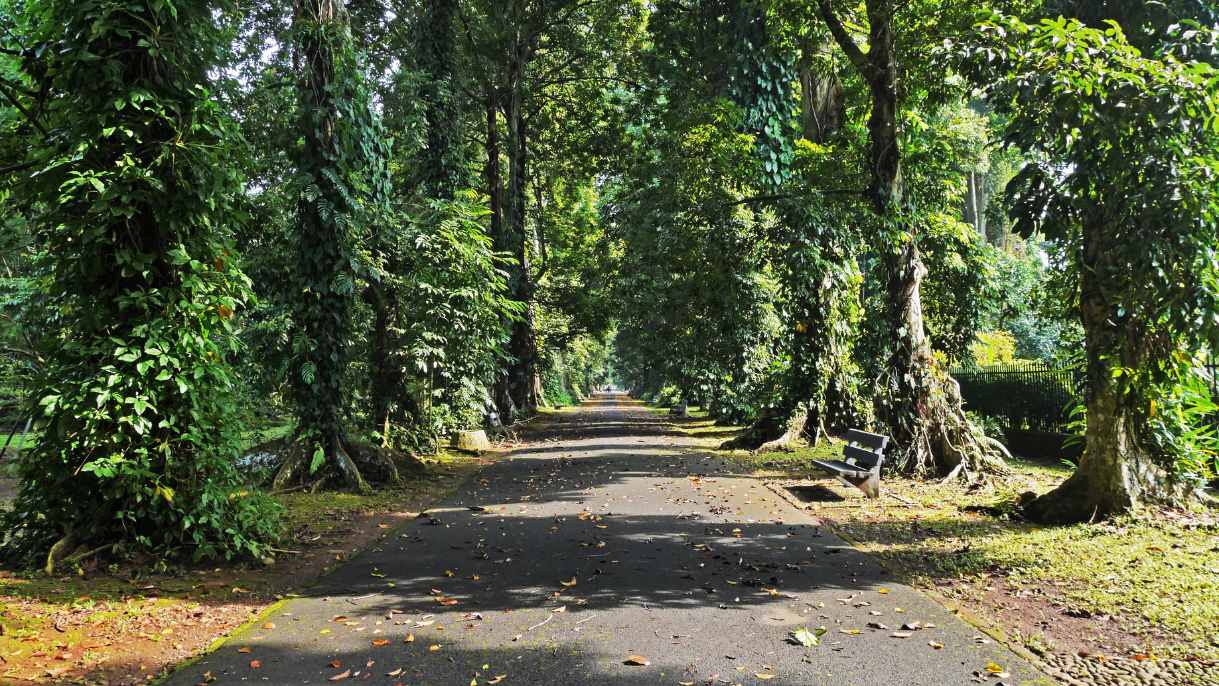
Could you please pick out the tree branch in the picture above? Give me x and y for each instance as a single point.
(844, 40)
(22, 166)
(21, 108)
(753, 199)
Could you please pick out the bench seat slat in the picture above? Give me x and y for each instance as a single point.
(873, 441)
(842, 468)
(864, 458)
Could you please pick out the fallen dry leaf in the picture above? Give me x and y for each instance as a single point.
(497, 680)
(410, 638)
(335, 664)
(380, 642)
(396, 672)
(937, 646)
(637, 661)
(243, 649)
(341, 675)
(434, 647)
(569, 583)
(764, 676)
(255, 664)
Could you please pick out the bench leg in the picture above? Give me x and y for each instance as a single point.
(870, 485)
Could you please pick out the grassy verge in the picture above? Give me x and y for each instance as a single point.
(1139, 586)
(1134, 586)
(123, 625)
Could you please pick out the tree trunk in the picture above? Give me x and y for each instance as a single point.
(440, 166)
(802, 411)
(918, 405)
(437, 178)
(323, 313)
(500, 394)
(1116, 474)
(822, 101)
(382, 372)
(523, 346)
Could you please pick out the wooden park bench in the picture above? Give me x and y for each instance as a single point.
(860, 463)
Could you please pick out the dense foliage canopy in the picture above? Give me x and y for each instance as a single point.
(365, 225)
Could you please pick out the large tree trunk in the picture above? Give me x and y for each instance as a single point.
(500, 394)
(820, 398)
(822, 101)
(1116, 474)
(523, 346)
(323, 313)
(439, 173)
(918, 405)
(439, 166)
(804, 411)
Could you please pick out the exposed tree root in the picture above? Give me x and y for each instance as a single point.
(59, 552)
(1085, 498)
(340, 466)
(920, 404)
(376, 463)
(770, 426)
(792, 433)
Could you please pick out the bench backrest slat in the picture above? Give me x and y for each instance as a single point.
(875, 442)
(864, 458)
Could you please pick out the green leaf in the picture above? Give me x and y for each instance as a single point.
(806, 638)
(319, 457)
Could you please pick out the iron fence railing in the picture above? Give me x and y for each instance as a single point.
(1030, 396)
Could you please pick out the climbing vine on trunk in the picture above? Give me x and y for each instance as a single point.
(343, 187)
(136, 399)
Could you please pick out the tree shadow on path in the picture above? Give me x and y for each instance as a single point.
(553, 570)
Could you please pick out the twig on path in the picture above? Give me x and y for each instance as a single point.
(586, 619)
(539, 623)
(360, 597)
(900, 499)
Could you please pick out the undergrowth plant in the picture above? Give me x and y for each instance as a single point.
(139, 431)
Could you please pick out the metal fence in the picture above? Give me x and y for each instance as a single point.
(1031, 396)
(1034, 396)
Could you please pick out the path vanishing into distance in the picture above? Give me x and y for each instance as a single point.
(609, 538)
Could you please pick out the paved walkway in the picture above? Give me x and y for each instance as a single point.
(611, 537)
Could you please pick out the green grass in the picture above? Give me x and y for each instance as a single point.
(143, 606)
(1157, 576)
(320, 512)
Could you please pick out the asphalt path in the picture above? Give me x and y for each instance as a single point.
(611, 550)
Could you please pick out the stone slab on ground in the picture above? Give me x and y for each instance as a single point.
(472, 441)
